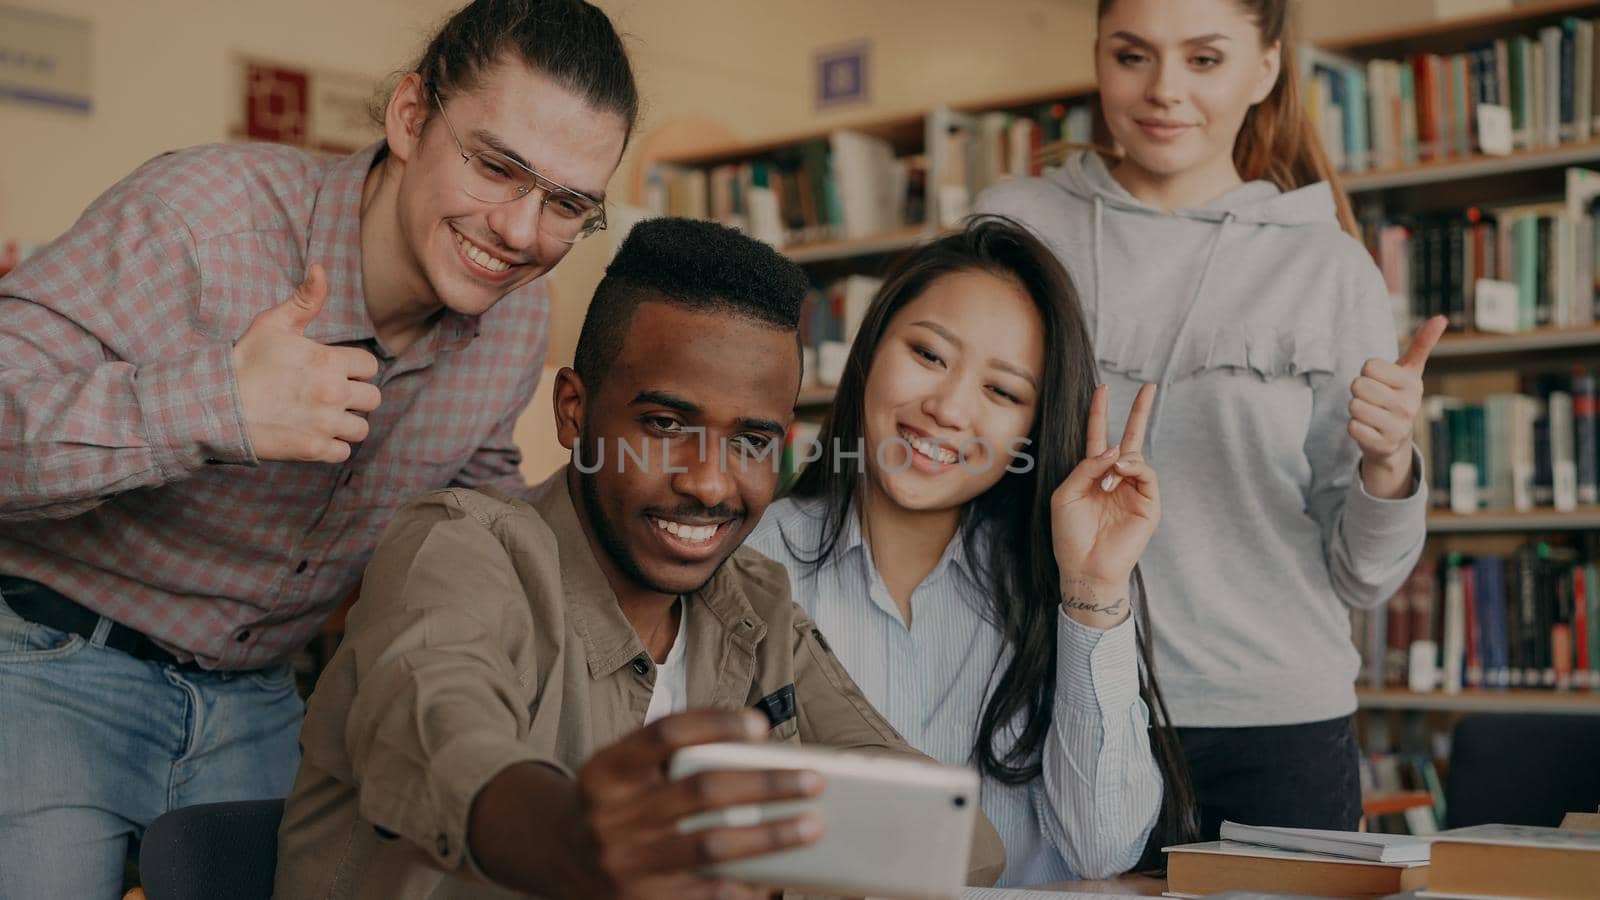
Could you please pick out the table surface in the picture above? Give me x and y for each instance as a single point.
(1132, 885)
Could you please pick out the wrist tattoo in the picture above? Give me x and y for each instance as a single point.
(1080, 596)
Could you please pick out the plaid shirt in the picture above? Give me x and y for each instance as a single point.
(127, 480)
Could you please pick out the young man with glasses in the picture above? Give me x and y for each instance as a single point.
(218, 386)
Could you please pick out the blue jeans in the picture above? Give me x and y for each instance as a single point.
(95, 744)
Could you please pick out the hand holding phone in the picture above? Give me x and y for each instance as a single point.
(632, 810)
(894, 826)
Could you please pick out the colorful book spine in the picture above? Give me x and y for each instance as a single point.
(1586, 435)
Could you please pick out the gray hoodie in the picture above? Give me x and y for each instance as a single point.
(1253, 314)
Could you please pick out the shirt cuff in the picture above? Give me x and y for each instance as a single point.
(1375, 527)
(1419, 481)
(191, 411)
(1096, 669)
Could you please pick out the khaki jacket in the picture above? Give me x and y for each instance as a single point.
(487, 635)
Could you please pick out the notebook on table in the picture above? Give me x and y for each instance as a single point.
(1353, 844)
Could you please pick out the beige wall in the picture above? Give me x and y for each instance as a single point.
(714, 68)
(163, 79)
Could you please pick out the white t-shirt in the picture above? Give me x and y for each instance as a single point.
(672, 677)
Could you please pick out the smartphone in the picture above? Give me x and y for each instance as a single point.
(895, 826)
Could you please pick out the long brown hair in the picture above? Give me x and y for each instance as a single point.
(1277, 141)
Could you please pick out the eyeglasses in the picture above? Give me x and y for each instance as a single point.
(493, 177)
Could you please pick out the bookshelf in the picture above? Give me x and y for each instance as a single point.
(1481, 701)
(795, 192)
(893, 241)
(1479, 344)
(814, 398)
(1448, 34)
(1538, 520)
(905, 136)
(1394, 802)
(1475, 166)
(1440, 216)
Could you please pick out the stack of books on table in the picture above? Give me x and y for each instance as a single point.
(1298, 861)
(1494, 861)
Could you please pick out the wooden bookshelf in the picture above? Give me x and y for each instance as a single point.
(1539, 340)
(1456, 182)
(1446, 34)
(815, 397)
(885, 242)
(902, 131)
(1583, 518)
(1478, 700)
(1022, 101)
(1475, 166)
(1392, 802)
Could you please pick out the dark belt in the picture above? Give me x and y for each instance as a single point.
(52, 609)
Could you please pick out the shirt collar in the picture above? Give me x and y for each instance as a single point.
(852, 540)
(335, 242)
(609, 641)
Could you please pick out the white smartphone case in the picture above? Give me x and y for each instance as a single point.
(895, 827)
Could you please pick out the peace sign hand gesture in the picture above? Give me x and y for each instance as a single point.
(1103, 515)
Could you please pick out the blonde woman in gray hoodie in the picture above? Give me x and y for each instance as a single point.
(1215, 258)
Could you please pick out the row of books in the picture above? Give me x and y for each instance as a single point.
(969, 152)
(852, 185)
(1387, 113)
(830, 316)
(1518, 451)
(1503, 269)
(794, 195)
(1391, 773)
(1530, 620)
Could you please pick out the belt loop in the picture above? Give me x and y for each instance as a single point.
(102, 630)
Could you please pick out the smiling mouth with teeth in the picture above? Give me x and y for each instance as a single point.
(929, 449)
(693, 534)
(478, 255)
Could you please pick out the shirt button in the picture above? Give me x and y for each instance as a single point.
(443, 845)
(640, 666)
(302, 567)
(243, 635)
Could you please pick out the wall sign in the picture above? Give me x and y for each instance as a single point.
(320, 110)
(841, 77)
(44, 59)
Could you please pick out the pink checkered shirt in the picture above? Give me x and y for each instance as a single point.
(127, 481)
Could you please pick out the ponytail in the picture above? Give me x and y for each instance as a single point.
(1278, 143)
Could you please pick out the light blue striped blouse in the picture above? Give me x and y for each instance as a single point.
(1091, 812)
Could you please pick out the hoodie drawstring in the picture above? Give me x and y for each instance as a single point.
(1183, 326)
(1094, 326)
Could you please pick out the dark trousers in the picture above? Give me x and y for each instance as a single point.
(1301, 776)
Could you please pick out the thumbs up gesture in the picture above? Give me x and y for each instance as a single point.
(1384, 402)
(301, 398)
